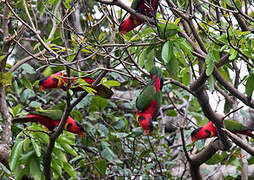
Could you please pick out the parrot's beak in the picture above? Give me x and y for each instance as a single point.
(41, 88)
(147, 132)
(193, 139)
(81, 135)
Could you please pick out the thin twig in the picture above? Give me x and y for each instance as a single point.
(184, 145)
(158, 162)
(231, 112)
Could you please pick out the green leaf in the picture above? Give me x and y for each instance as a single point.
(27, 69)
(172, 113)
(82, 82)
(76, 115)
(19, 173)
(56, 167)
(185, 72)
(98, 104)
(142, 58)
(185, 46)
(173, 66)
(26, 82)
(27, 93)
(2, 57)
(112, 83)
(69, 169)
(209, 61)
(88, 89)
(69, 149)
(168, 30)
(36, 148)
(120, 135)
(167, 52)
(149, 63)
(137, 131)
(27, 155)
(35, 170)
(15, 154)
(108, 154)
(216, 158)
(6, 79)
(211, 82)
(144, 153)
(103, 129)
(147, 58)
(229, 3)
(233, 53)
(119, 124)
(101, 164)
(35, 104)
(16, 109)
(59, 155)
(48, 71)
(249, 85)
(216, 54)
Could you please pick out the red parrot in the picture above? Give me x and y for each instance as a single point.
(145, 7)
(149, 100)
(209, 130)
(51, 119)
(59, 80)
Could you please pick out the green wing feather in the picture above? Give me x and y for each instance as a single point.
(135, 4)
(233, 125)
(51, 114)
(145, 98)
(158, 98)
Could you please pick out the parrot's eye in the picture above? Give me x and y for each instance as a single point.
(195, 131)
(208, 132)
(42, 80)
(56, 80)
(69, 125)
(140, 118)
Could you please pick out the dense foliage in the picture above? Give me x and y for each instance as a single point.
(204, 48)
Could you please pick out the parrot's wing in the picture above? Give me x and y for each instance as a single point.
(51, 114)
(145, 98)
(233, 125)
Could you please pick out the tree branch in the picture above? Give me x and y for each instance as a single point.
(231, 89)
(129, 10)
(201, 157)
(59, 130)
(3, 102)
(239, 142)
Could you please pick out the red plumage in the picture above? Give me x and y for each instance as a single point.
(209, 130)
(206, 131)
(59, 80)
(71, 125)
(149, 100)
(145, 121)
(145, 7)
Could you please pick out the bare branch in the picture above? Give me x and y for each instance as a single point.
(239, 142)
(128, 9)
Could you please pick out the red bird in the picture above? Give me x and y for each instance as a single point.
(145, 7)
(59, 80)
(209, 130)
(51, 119)
(149, 100)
